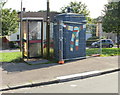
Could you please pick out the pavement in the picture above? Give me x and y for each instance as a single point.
(19, 75)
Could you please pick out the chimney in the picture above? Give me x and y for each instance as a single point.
(23, 9)
(68, 10)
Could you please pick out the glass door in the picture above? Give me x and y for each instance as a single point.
(34, 36)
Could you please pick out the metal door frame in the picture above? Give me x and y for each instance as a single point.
(27, 20)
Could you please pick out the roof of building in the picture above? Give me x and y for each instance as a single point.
(39, 15)
(32, 18)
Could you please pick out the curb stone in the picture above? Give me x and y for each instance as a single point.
(29, 85)
(86, 75)
(63, 79)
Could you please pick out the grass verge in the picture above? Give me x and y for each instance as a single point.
(16, 56)
(10, 57)
(105, 51)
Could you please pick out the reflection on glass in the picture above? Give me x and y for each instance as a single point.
(34, 38)
(34, 30)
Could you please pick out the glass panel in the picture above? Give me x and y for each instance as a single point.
(35, 50)
(34, 30)
(24, 29)
(51, 41)
(44, 39)
(34, 39)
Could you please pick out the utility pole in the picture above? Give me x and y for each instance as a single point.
(48, 30)
(21, 34)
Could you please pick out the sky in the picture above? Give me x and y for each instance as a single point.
(94, 6)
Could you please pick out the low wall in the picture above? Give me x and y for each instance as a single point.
(4, 43)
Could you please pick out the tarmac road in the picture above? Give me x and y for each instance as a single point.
(101, 84)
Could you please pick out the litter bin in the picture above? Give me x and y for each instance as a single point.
(69, 37)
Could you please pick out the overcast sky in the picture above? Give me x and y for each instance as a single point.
(94, 6)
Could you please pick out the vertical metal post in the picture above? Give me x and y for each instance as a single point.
(28, 44)
(48, 31)
(61, 60)
(42, 38)
(21, 33)
(100, 36)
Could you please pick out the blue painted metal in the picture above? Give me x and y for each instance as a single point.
(69, 36)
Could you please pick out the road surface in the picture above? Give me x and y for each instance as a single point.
(107, 83)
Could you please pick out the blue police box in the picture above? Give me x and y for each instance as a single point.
(69, 36)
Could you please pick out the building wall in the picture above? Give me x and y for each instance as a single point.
(4, 43)
(100, 32)
(110, 36)
(14, 36)
(88, 34)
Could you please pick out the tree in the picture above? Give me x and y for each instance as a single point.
(9, 22)
(111, 21)
(76, 7)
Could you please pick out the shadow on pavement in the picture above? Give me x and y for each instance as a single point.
(19, 67)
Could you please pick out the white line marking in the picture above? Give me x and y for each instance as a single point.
(73, 85)
(77, 75)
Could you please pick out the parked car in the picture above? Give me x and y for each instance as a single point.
(105, 43)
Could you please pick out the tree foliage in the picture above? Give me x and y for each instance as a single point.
(80, 8)
(111, 19)
(9, 22)
(77, 7)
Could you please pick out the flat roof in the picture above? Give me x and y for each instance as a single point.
(32, 18)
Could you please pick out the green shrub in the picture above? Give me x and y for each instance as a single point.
(12, 44)
(91, 40)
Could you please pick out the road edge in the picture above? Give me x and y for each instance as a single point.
(63, 79)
